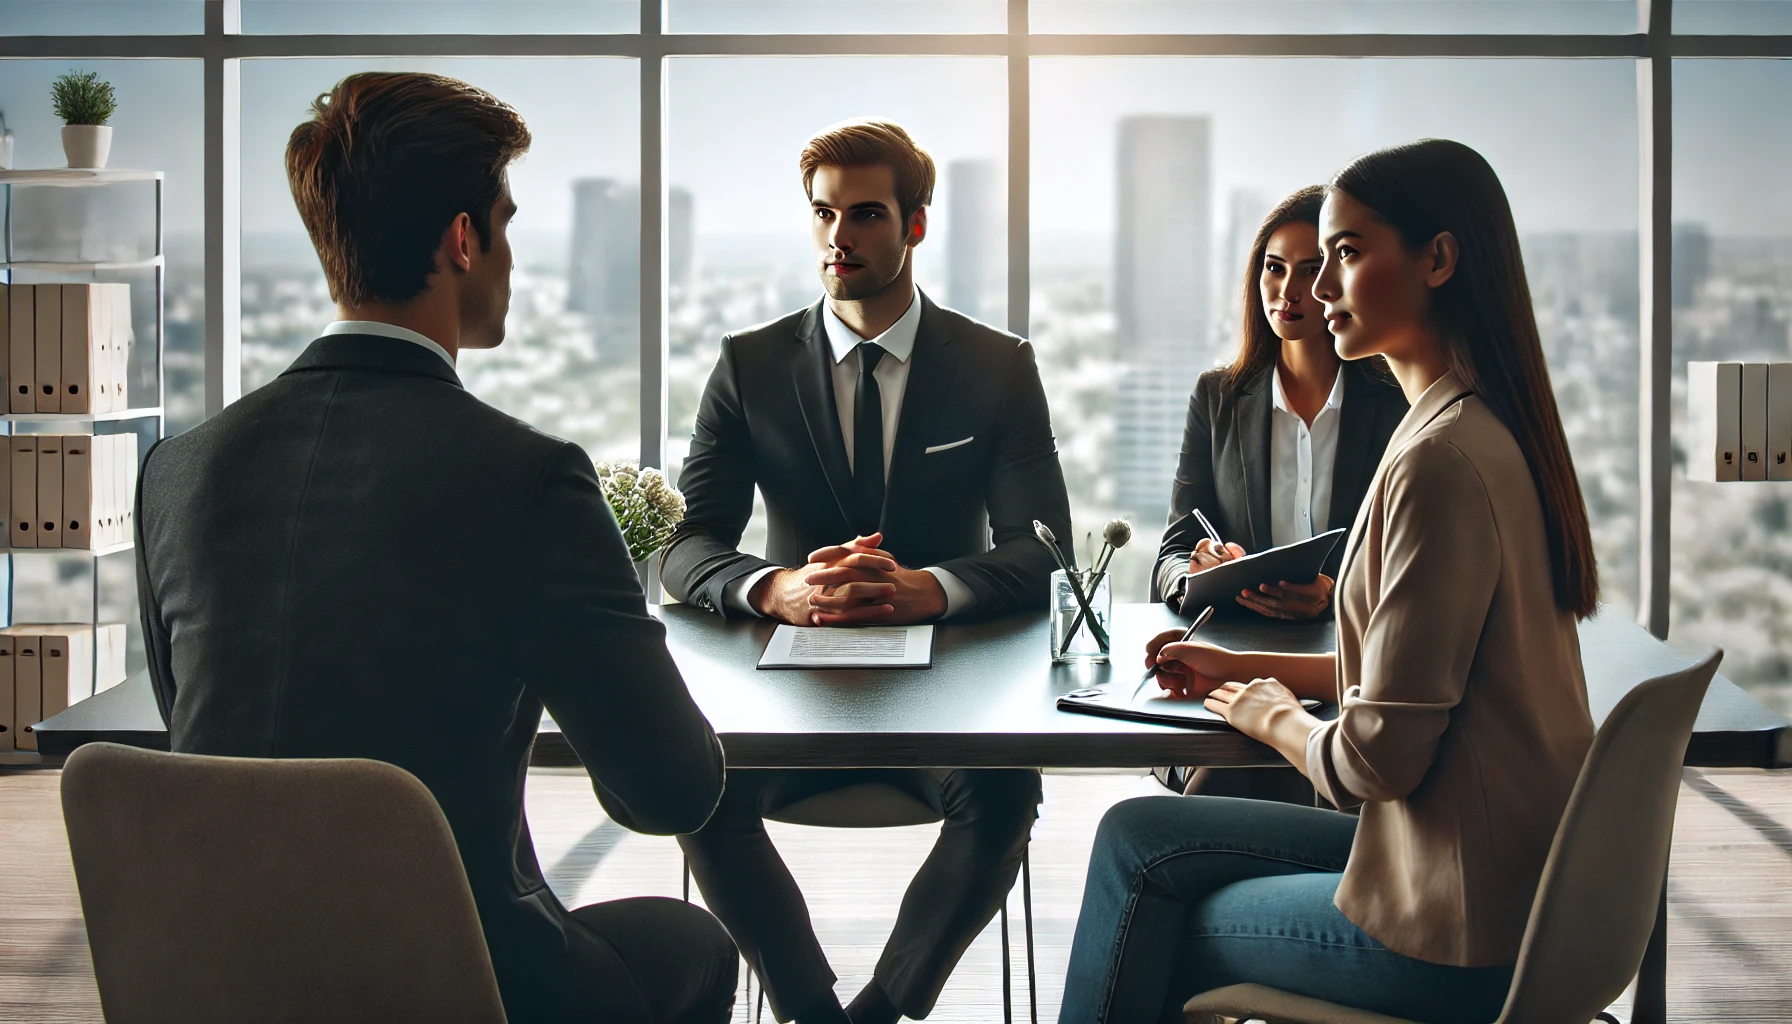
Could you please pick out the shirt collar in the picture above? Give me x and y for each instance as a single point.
(385, 330)
(898, 341)
(1335, 400)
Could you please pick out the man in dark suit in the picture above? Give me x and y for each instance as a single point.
(892, 440)
(360, 559)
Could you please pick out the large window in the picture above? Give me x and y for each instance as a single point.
(1076, 127)
(1174, 163)
(570, 359)
(1732, 300)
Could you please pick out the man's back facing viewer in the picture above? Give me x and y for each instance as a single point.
(363, 560)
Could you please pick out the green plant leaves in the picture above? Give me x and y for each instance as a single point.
(80, 97)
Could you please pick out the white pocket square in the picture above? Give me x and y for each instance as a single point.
(948, 447)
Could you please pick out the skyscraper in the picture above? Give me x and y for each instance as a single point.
(976, 270)
(604, 275)
(1692, 263)
(1163, 240)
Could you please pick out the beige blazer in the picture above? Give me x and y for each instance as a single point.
(1463, 717)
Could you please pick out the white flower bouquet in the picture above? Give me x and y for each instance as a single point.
(647, 507)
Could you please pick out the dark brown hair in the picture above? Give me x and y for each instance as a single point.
(1484, 314)
(868, 143)
(1258, 345)
(384, 164)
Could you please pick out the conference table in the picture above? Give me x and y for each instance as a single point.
(989, 700)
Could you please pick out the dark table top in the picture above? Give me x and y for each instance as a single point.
(989, 700)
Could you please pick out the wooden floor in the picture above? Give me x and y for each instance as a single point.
(1730, 895)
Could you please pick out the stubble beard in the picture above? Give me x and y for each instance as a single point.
(872, 281)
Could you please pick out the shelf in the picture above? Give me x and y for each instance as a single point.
(25, 758)
(75, 176)
(81, 417)
(90, 552)
(80, 267)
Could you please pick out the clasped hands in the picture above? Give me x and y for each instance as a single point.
(1283, 600)
(1194, 670)
(852, 584)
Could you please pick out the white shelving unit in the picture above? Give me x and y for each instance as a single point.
(54, 271)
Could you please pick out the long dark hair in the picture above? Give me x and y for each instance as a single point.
(1258, 345)
(1484, 316)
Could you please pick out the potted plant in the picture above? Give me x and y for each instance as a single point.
(647, 508)
(85, 104)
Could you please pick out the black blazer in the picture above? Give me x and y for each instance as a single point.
(768, 418)
(1224, 467)
(363, 560)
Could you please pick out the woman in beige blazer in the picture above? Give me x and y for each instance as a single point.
(1463, 712)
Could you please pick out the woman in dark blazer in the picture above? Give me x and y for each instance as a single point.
(1286, 403)
(1280, 446)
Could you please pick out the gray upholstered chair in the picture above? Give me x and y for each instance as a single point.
(876, 805)
(1601, 886)
(223, 889)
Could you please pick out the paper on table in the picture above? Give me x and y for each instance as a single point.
(844, 647)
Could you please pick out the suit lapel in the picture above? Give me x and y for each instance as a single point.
(1250, 424)
(811, 370)
(932, 366)
(1443, 393)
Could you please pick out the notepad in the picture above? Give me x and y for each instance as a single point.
(1152, 705)
(849, 647)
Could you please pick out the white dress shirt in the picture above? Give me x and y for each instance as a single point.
(891, 375)
(1300, 465)
(388, 331)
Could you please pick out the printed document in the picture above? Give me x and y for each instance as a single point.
(849, 647)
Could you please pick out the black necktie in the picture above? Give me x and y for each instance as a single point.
(868, 442)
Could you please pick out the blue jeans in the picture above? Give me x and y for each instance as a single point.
(1188, 894)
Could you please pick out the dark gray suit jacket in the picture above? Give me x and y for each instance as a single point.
(363, 560)
(1224, 467)
(768, 418)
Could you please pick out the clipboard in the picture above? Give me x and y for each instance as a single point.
(1218, 586)
(1158, 707)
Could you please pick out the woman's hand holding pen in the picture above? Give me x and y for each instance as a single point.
(1190, 669)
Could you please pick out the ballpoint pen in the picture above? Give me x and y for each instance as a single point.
(1200, 620)
(1212, 534)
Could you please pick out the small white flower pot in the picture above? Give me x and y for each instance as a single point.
(87, 145)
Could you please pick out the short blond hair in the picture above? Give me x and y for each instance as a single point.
(866, 143)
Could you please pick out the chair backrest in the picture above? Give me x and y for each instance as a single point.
(862, 805)
(1601, 886)
(232, 889)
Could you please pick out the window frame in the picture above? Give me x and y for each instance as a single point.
(1652, 48)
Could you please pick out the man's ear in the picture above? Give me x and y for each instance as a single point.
(1442, 254)
(917, 227)
(458, 242)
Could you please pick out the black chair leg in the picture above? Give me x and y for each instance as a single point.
(1007, 972)
(1026, 895)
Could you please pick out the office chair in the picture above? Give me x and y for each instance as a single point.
(225, 889)
(1601, 887)
(877, 805)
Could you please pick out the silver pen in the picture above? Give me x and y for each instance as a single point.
(1200, 620)
(1212, 534)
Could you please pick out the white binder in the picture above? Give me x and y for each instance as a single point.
(28, 690)
(49, 491)
(1713, 421)
(63, 684)
(111, 655)
(48, 366)
(9, 726)
(21, 349)
(1754, 421)
(24, 490)
(77, 491)
(5, 337)
(1779, 421)
(125, 496)
(121, 346)
(83, 321)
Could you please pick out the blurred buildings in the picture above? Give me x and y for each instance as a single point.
(976, 242)
(1162, 253)
(603, 272)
